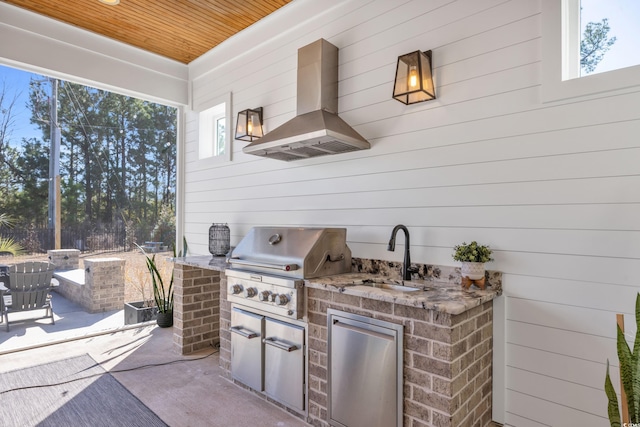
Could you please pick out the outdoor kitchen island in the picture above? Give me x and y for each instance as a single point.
(447, 333)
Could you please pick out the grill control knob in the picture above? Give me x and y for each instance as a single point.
(236, 289)
(282, 299)
(264, 296)
(250, 292)
(272, 297)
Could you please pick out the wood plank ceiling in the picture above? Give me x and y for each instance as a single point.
(178, 29)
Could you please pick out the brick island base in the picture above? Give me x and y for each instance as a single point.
(447, 358)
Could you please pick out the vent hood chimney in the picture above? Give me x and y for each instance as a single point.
(316, 130)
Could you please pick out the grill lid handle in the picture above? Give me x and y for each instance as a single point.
(283, 267)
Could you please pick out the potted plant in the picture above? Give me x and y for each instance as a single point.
(629, 376)
(472, 256)
(162, 294)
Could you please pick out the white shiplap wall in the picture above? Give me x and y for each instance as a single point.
(552, 187)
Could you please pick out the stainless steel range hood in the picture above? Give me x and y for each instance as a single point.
(316, 130)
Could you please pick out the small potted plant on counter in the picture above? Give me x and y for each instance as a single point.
(472, 256)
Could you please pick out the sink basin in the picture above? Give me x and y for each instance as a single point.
(399, 288)
(390, 286)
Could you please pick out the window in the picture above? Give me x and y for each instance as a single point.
(213, 131)
(607, 35)
(571, 67)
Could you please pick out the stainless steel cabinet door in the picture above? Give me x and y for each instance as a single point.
(284, 363)
(363, 374)
(247, 330)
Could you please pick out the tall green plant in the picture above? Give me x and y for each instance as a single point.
(629, 374)
(163, 296)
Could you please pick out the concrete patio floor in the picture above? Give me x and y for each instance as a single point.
(72, 321)
(184, 391)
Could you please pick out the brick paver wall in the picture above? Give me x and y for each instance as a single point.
(196, 311)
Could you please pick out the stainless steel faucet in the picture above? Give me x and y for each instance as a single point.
(406, 271)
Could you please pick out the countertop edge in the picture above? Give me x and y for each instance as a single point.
(444, 297)
(203, 261)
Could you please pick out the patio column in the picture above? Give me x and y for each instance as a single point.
(104, 284)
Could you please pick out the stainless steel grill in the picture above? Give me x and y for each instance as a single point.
(268, 265)
(266, 289)
(300, 253)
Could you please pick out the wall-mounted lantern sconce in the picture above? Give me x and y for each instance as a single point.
(249, 124)
(414, 82)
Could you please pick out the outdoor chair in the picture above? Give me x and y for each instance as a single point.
(29, 286)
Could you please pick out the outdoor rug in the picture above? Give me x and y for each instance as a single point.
(28, 398)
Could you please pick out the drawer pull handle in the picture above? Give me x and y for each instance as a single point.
(238, 330)
(281, 346)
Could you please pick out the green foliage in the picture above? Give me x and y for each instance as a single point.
(629, 375)
(472, 252)
(7, 244)
(163, 295)
(185, 249)
(612, 408)
(594, 44)
(118, 158)
(6, 220)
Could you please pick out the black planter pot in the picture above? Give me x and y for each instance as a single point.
(165, 320)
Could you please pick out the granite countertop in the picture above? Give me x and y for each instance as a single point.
(442, 296)
(217, 263)
(441, 293)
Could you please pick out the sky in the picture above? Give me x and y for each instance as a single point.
(623, 16)
(17, 82)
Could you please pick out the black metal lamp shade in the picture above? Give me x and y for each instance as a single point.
(249, 124)
(414, 81)
(219, 239)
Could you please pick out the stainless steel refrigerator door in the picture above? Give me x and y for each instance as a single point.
(247, 330)
(363, 371)
(284, 363)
